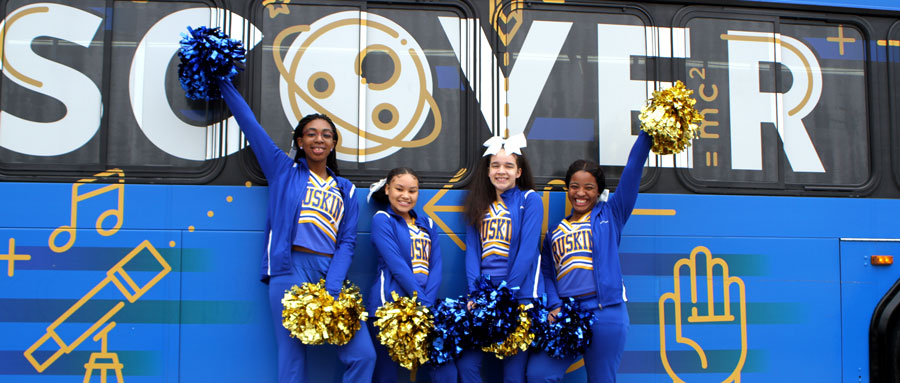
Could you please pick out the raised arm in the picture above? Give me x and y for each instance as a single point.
(271, 158)
(385, 241)
(622, 201)
(526, 264)
(346, 243)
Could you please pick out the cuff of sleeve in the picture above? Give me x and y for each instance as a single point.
(333, 288)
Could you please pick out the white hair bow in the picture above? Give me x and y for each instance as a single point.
(513, 144)
(375, 187)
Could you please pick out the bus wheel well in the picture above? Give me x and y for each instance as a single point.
(884, 338)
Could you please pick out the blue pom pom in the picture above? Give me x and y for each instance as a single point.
(569, 335)
(540, 326)
(207, 55)
(450, 328)
(495, 314)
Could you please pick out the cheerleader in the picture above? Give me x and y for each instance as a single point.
(581, 260)
(310, 231)
(409, 260)
(504, 217)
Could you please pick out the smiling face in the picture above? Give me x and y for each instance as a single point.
(317, 140)
(503, 171)
(583, 192)
(403, 192)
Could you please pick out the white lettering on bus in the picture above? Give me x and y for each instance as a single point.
(750, 107)
(73, 89)
(146, 88)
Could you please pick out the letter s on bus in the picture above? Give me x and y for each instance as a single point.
(75, 90)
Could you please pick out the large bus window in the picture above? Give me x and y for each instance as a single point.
(87, 87)
(892, 47)
(577, 78)
(51, 90)
(151, 121)
(388, 78)
(785, 103)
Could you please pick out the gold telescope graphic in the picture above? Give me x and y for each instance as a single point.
(120, 278)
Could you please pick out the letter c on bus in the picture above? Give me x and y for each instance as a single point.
(147, 80)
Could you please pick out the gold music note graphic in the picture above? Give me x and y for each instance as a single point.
(76, 198)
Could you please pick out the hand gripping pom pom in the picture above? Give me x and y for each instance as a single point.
(207, 55)
(670, 118)
(518, 340)
(570, 334)
(349, 312)
(313, 316)
(450, 328)
(494, 315)
(404, 330)
(540, 325)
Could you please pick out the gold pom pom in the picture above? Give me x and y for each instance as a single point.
(404, 327)
(348, 312)
(312, 315)
(518, 340)
(670, 118)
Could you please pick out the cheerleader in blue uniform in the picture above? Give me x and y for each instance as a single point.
(504, 217)
(310, 231)
(581, 260)
(409, 261)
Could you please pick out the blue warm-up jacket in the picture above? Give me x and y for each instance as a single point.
(526, 212)
(287, 188)
(390, 236)
(607, 221)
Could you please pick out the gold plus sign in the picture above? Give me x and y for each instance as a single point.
(12, 257)
(840, 39)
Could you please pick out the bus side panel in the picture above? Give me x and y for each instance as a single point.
(107, 302)
(862, 287)
(226, 328)
(772, 301)
(188, 261)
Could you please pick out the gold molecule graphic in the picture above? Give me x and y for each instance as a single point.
(328, 66)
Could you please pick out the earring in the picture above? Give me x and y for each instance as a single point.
(301, 148)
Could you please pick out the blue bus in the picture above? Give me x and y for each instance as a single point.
(132, 218)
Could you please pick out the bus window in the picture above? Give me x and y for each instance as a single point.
(892, 47)
(51, 96)
(101, 91)
(583, 104)
(388, 77)
(784, 103)
(147, 102)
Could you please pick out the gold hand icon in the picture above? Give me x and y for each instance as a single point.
(724, 316)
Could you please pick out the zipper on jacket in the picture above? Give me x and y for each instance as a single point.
(382, 288)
